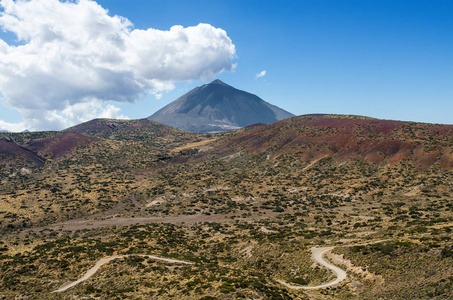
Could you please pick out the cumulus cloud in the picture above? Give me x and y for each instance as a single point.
(12, 127)
(82, 112)
(72, 114)
(260, 74)
(74, 55)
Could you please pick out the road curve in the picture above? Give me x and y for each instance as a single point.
(317, 254)
(105, 260)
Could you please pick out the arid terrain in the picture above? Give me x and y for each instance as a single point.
(247, 209)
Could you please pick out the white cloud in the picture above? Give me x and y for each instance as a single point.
(72, 114)
(75, 53)
(12, 127)
(82, 112)
(260, 74)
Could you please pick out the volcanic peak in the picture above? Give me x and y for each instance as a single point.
(218, 107)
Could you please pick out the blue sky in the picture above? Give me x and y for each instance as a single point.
(384, 59)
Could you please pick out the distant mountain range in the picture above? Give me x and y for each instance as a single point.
(218, 107)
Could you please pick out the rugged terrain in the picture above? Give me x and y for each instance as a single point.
(245, 207)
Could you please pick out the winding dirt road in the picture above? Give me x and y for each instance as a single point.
(317, 254)
(105, 260)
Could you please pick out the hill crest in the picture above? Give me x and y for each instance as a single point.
(313, 137)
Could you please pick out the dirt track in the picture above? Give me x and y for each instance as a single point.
(317, 254)
(105, 260)
(80, 224)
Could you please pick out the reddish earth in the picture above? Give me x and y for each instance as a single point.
(60, 144)
(11, 148)
(310, 137)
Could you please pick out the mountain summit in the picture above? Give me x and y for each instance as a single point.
(217, 107)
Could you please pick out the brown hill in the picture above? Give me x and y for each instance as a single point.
(312, 137)
(10, 150)
(60, 144)
(136, 130)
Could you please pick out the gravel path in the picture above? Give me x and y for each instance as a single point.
(317, 255)
(81, 224)
(105, 260)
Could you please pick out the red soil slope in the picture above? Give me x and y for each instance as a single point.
(10, 149)
(58, 145)
(311, 137)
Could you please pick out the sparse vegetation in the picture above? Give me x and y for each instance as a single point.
(244, 206)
